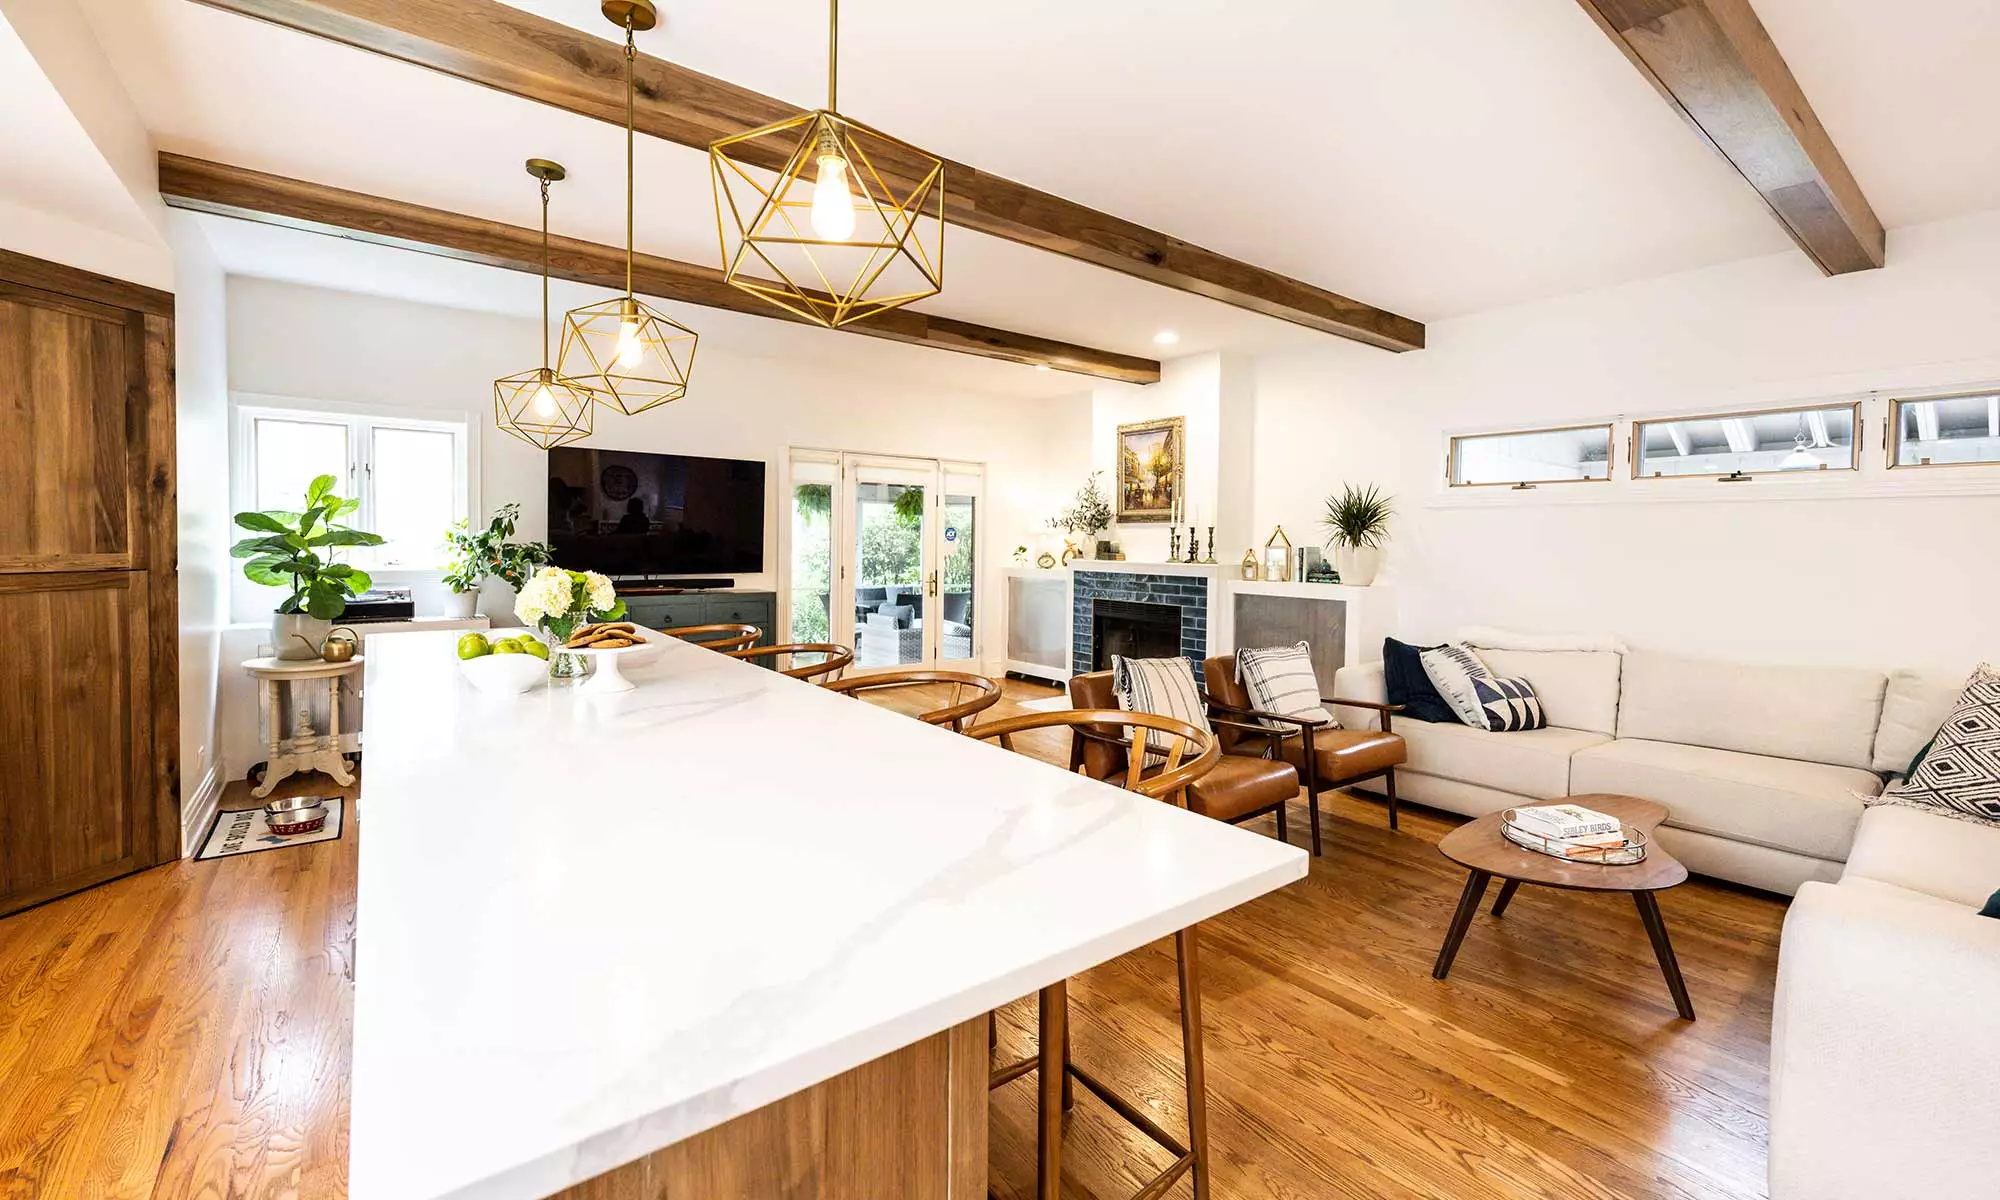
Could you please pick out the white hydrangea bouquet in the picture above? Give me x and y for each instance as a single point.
(556, 602)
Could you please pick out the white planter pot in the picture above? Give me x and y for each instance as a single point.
(297, 636)
(1357, 564)
(460, 606)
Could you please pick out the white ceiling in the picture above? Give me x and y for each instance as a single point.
(1434, 157)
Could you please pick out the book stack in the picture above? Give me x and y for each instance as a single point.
(1567, 830)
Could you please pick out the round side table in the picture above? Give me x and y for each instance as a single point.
(301, 749)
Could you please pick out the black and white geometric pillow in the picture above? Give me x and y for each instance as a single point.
(1452, 669)
(1958, 774)
(1509, 705)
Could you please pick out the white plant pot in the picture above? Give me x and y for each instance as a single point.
(1357, 564)
(288, 628)
(461, 606)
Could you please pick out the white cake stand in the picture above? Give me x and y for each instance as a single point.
(606, 666)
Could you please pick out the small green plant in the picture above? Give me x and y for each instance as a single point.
(1356, 518)
(296, 550)
(476, 556)
(910, 507)
(1088, 514)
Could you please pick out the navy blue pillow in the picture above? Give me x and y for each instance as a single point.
(1408, 685)
(1992, 908)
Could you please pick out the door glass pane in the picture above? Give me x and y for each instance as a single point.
(889, 600)
(290, 454)
(812, 562)
(1948, 430)
(1533, 456)
(415, 480)
(960, 522)
(1795, 439)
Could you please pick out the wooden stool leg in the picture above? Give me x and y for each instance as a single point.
(1069, 1085)
(1197, 1077)
(1050, 1076)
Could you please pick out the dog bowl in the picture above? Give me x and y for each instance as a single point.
(295, 814)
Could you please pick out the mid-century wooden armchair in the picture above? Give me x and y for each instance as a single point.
(1326, 757)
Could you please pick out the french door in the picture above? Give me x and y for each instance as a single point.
(883, 556)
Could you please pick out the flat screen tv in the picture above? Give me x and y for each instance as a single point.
(624, 513)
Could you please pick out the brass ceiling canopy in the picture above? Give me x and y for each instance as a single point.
(540, 406)
(631, 355)
(794, 230)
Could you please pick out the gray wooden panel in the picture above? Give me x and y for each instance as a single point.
(1283, 620)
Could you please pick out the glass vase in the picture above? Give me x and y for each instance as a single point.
(563, 664)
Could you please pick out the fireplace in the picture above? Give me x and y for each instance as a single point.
(1135, 630)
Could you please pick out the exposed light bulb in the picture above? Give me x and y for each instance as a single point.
(545, 402)
(832, 203)
(631, 350)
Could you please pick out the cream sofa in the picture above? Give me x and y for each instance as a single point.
(1763, 768)
(1885, 1070)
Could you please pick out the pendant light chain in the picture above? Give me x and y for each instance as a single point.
(631, 58)
(833, 56)
(545, 273)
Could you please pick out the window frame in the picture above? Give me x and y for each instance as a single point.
(1610, 428)
(1892, 438)
(1637, 427)
(361, 422)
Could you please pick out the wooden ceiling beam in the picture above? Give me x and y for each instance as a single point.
(201, 186)
(1713, 61)
(520, 54)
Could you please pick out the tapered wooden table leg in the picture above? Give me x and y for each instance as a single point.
(1468, 907)
(1507, 889)
(1656, 928)
(1049, 1078)
(1197, 1074)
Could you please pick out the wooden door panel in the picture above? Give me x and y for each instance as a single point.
(66, 385)
(75, 740)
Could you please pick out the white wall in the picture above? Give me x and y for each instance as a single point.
(201, 450)
(1874, 570)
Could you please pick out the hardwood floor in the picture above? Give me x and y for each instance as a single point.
(185, 1033)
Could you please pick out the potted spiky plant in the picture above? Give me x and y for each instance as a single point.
(1357, 525)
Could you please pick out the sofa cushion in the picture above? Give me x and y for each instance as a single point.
(1815, 714)
(1923, 852)
(1578, 688)
(1534, 763)
(1804, 807)
(1913, 707)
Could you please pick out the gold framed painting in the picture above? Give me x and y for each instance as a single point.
(1150, 471)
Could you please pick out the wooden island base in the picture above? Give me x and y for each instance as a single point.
(911, 1124)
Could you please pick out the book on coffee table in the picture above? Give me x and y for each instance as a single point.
(1568, 822)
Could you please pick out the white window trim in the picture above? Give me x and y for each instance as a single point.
(247, 407)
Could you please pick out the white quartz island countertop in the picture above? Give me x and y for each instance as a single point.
(592, 926)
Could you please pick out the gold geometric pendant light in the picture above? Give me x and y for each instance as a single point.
(541, 406)
(633, 356)
(828, 218)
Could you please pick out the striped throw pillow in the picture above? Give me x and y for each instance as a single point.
(1280, 679)
(1164, 687)
(1452, 669)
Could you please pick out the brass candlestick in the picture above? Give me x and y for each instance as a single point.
(1173, 545)
(1211, 546)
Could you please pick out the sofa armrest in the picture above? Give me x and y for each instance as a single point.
(1883, 1059)
(1363, 683)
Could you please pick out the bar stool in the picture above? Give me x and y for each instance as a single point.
(833, 658)
(985, 693)
(1190, 755)
(717, 637)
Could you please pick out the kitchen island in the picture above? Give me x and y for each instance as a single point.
(721, 935)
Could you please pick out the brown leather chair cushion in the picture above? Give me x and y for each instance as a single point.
(1347, 753)
(1239, 786)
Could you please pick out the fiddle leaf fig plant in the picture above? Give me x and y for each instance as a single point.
(296, 551)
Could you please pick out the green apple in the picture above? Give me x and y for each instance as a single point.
(474, 645)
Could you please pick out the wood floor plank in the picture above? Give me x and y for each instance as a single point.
(186, 1033)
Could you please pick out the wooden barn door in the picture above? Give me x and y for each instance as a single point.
(89, 782)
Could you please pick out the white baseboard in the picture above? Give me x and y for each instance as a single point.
(199, 811)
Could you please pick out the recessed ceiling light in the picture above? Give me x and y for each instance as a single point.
(1166, 337)
(1043, 367)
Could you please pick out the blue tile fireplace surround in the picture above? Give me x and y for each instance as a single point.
(1188, 593)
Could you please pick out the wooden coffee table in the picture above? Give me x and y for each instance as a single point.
(1485, 852)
